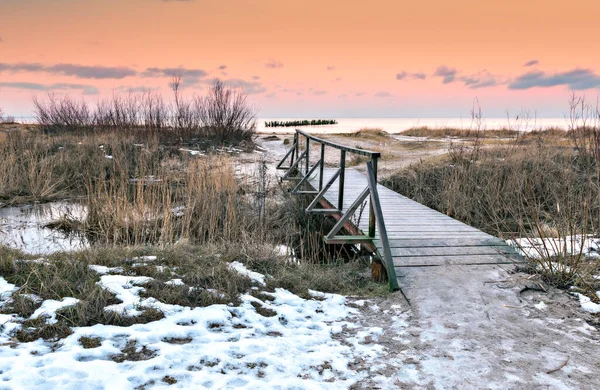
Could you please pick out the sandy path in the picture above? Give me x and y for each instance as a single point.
(474, 327)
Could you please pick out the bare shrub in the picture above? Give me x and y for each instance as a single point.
(223, 116)
(226, 114)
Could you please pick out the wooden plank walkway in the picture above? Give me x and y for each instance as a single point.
(418, 235)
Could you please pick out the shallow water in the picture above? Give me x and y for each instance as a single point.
(396, 125)
(23, 227)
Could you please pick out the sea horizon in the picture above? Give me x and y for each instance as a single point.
(397, 125)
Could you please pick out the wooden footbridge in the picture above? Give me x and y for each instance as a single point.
(397, 230)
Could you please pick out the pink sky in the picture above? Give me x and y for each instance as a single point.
(333, 58)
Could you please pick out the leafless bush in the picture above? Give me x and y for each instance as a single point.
(62, 113)
(226, 114)
(222, 116)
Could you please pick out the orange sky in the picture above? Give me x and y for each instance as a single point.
(310, 58)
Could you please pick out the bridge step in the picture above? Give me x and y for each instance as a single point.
(324, 211)
(349, 240)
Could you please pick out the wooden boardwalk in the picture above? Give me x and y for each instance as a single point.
(419, 236)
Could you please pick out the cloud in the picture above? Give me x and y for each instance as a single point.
(1, 40)
(91, 72)
(319, 92)
(330, 68)
(189, 76)
(338, 79)
(576, 79)
(169, 72)
(359, 94)
(531, 63)
(273, 64)
(404, 74)
(80, 71)
(383, 94)
(479, 80)
(86, 89)
(255, 77)
(401, 76)
(249, 87)
(448, 74)
(222, 67)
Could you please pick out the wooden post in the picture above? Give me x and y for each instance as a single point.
(297, 144)
(371, 210)
(342, 174)
(294, 149)
(378, 271)
(307, 167)
(322, 167)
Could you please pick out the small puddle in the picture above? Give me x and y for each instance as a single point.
(24, 227)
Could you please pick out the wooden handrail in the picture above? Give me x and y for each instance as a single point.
(361, 152)
(375, 212)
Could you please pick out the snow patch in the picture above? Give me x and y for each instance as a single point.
(587, 304)
(103, 270)
(242, 270)
(6, 289)
(50, 307)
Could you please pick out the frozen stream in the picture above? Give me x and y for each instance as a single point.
(24, 228)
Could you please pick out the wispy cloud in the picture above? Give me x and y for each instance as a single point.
(404, 75)
(189, 77)
(86, 89)
(80, 71)
(274, 64)
(330, 68)
(401, 76)
(250, 87)
(1, 40)
(577, 79)
(255, 77)
(479, 80)
(383, 94)
(531, 63)
(222, 67)
(448, 74)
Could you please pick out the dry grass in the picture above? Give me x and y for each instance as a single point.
(425, 131)
(527, 189)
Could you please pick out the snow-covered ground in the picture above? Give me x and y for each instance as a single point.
(534, 248)
(548, 247)
(305, 344)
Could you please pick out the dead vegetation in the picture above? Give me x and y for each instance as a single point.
(541, 186)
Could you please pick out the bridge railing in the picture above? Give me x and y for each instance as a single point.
(299, 168)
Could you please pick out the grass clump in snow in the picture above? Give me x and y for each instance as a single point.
(90, 342)
(23, 305)
(32, 330)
